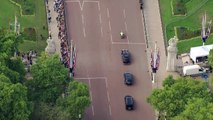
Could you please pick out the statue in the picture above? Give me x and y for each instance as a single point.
(172, 53)
(50, 49)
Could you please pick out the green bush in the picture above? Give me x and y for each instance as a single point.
(185, 33)
(29, 34)
(28, 6)
(179, 7)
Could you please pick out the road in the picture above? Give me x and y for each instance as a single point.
(94, 27)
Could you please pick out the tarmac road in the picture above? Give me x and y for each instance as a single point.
(94, 26)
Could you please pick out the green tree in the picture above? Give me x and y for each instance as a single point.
(172, 99)
(48, 79)
(76, 100)
(14, 104)
(16, 65)
(13, 75)
(8, 44)
(44, 111)
(169, 81)
(197, 109)
(210, 58)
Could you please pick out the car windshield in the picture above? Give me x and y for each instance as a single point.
(129, 100)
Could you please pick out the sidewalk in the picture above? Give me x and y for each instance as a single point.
(154, 33)
(52, 26)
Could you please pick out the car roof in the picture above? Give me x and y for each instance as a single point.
(129, 99)
(128, 74)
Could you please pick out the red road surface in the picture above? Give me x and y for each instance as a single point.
(94, 27)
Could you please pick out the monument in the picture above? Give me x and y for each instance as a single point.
(50, 49)
(172, 53)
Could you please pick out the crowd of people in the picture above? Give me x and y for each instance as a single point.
(27, 58)
(62, 35)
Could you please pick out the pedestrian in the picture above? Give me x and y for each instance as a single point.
(49, 19)
(54, 6)
(50, 35)
(42, 37)
(46, 1)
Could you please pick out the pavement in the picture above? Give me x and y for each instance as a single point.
(154, 33)
(52, 26)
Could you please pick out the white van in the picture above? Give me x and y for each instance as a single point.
(192, 70)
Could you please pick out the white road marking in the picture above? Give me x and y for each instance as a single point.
(91, 78)
(101, 24)
(71, 1)
(84, 31)
(99, 7)
(101, 31)
(110, 29)
(100, 18)
(106, 83)
(108, 96)
(82, 4)
(127, 39)
(108, 13)
(111, 38)
(82, 18)
(93, 113)
(89, 83)
(110, 111)
(90, 95)
(126, 43)
(125, 26)
(124, 12)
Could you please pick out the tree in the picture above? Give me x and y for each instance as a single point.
(13, 75)
(16, 65)
(44, 111)
(48, 79)
(14, 104)
(76, 100)
(172, 99)
(197, 109)
(169, 81)
(8, 44)
(210, 58)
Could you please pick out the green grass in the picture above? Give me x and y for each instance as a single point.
(28, 45)
(195, 10)
(28, 6)
(185, 45)
(8, 11)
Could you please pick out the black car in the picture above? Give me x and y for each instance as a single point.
(128, 78)
(125, 56)
(129, 102)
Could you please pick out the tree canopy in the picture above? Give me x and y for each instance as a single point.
(175, 95)
(197, 109)
(8, 44)
(48, 79)
(76, 100)
(14, 104)
(49, 83)
(210, 58)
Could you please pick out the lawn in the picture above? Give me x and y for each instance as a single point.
(8, 11)
(192, 20)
